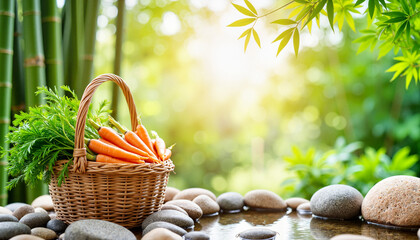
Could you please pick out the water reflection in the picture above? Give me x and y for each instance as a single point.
(385, 233)
(326, 229)
(262, 218)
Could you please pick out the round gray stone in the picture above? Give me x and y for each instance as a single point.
(337, 202)
(193, 210)
(172, 227)
(264, 199)
(92, 229)
(230, 201)
(257, 233)
(196, 236)
(207, 205)
(44, 202)
(11, 229)
(8, 218)
(13, 206)
(171, 216)
(44, 233)
(26, 237)
(57, 225)
(33, 220)
(173, 207)
(4, 210)
(22, 211)
(191, 193)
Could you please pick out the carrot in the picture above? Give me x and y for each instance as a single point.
(168, 153)
(141, 131)
(159, 145)
(111, 136)
(106, 142)
(103, 148)
(107, 159)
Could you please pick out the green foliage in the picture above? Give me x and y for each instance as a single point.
(45, 134)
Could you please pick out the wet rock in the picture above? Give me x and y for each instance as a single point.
(8, 218)
(57, 225)
(394, 201)
(207, 205)
(170, 193)
(171, 227)
(264, 199)
(97, 229)
(196, 236)
(173, 207)
(13, 206)
(351, 237)
(4, 210)
(193, 210)
(230, 201)
(304, 208)
(293, 203)
(22, 211)
(160, 233)
(191, 193)
(44, 233)
(257, 233)
(33, 220)
(171, 216)
(26, 237)
(337, 202)
(11, 229)
(44, 202)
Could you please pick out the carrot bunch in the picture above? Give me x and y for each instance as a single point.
(130, 148)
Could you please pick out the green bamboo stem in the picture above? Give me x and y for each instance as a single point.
(34, 66)
(91, 15)
(118, 55)
(6, 58)
(51, 29)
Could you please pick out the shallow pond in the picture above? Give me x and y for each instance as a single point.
(291, 226)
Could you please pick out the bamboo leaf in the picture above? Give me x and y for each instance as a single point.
(247, 41)
(303, 13)
(405, 6)
(251, 7)
(350, 21)
(316, 11)
(400, 30)
(256, 37)
(413, 4)
(385, 48)
(296, 41)
(383, 3)
(396, 19)
(242, 22)
(284, 42)
(243, 10)
(371, 8)
(283, 34)
(407, 30)
(301, 1)
(395, 14)
(284, 21)
(244, 33)
(359, 2)
(330, 12)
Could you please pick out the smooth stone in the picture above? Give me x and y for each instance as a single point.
(351, 237)
(22, 211)
(44, 202)
(337, 202)
(265, 199)
(230, 201)
(160, 234)
(173, 207)
(4, 210)
(13, 206)
(97, 229)
(171, 216)
(257, 233)
(39, 209)
(394, 201)
(62, 236)
(53, 216)
(196, 236)
(33, 220)
(293, 203)
(193, 210)
(11, 229)
(44, 233)
(170, 193)
(26, 237)
(57, 225)
(418, 234)
(304, 208)
(171, 227)
(191, 193)
(207, 205)
(8, 218)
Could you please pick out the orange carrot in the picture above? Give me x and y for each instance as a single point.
(107, 159)
(107, 142)
(103, 148)
(141, 131)
(159, 145)
(168, 153)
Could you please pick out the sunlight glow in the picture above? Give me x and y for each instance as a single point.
(171, 24)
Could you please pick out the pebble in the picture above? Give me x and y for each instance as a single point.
(53, 215)
(61, 237)
(394, 201)
(257, 233)
(191, 193)
(11, 229)
(170, 193)
(4, 210)
(8, 218)
(161, 234)
(230, 201)
(196, 236)
(97, 229)
(337, 202)
(26, 237)
(13, 206)
(57, 225)
(173, 207)
(39, 209)
(44, 202)
(193, 210)
(351, 237)
(293, 203)
(418, 234)
(23, 210)
(33, 220)
(171, 227)
(171, 216)
(304, 208)
(264, 199)
(207, 205)
(44, 233)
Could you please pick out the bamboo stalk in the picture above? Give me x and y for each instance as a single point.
(118, 55)
(51, 29)
(6, 57)
(91, 15)
(34, 66)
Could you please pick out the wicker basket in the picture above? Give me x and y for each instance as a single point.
(121, 193)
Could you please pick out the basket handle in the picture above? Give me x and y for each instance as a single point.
(79, 153)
